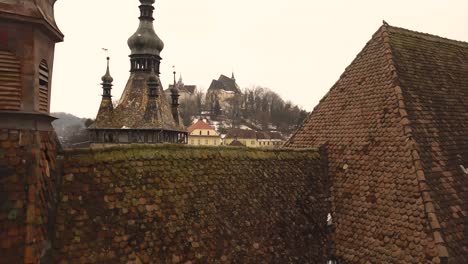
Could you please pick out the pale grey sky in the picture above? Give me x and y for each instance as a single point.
(297, 48)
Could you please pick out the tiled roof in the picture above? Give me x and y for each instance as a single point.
(183, 204)
(190, 89)
(200, 124)
(252, 134)
(241, 133)
(396, 129)
(31, 9)
(269, 135)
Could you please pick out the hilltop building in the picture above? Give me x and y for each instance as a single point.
(220, 91)
(142, 115)
(395, 127)
(201, 133)
(253, 139)
(186, 92)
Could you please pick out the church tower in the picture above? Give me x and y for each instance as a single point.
(28, 144)
(28, 34)
(142, 115)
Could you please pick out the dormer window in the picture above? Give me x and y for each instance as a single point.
(43, 87)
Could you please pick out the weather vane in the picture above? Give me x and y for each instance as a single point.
(107, 51)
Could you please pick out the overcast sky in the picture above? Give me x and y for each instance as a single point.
(297, 48)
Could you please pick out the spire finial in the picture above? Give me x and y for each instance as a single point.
(233, 77)
(385, 23)
(174, 72)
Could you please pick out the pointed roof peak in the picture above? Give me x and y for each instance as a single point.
(180, 78)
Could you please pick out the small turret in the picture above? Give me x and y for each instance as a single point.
(151, 113)
(106, 109)
(175, 100)
(107, 83)
(153, 91)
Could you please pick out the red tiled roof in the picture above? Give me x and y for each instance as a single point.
(396, 129)
(200, 124)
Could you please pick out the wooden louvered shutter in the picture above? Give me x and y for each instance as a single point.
(10, 82)
(43, 87)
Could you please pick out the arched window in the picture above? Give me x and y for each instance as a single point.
(43, 87)
(10, 82)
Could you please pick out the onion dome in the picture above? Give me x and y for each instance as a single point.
(174, 89)
(107, 78)
(145, 40)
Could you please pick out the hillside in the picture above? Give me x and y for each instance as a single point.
(70, 129)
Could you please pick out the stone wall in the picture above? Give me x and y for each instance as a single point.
(181, 204)
(27, 189)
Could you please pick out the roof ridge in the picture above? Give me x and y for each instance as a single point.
(290, 141)
(428, 36)
(413, 146)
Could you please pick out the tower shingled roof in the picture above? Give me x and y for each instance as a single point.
(395, 127)
(131, 111)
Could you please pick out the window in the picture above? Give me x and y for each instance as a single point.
(10, 82)
(199, 142)
(206, 142)
(208, 133)
(43, 87)
(200, 132)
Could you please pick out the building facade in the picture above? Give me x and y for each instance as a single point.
(254, 139)
(201, 133)
(144, 114)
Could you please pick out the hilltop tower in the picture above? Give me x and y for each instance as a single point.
(142, 115)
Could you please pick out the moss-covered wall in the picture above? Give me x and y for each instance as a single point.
(181, 204)
(27, 194)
